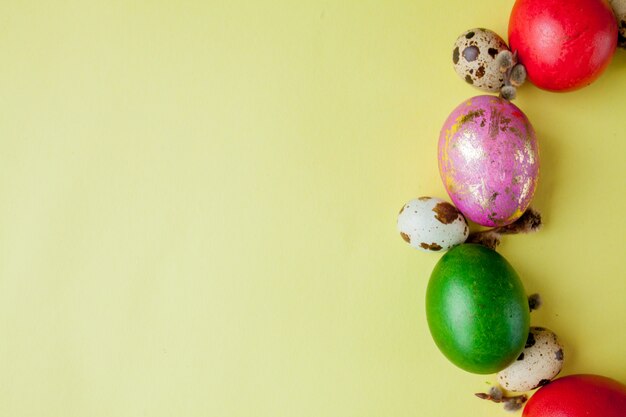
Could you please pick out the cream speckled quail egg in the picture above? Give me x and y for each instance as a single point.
(474, 58)
(540, 361)
(432, 224)
(619, 8)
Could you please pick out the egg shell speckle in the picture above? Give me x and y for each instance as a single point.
(619, 9)
(540, 361)
(489, 160)
(432, 224)
(474, 58)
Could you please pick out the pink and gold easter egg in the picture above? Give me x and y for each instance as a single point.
(489, 160)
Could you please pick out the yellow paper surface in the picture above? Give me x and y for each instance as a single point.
(198, 205)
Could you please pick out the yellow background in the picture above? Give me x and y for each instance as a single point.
(198, 205)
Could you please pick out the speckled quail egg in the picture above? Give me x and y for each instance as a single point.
(619, 8)
(432, 224)
(540, 361)
(474, 58)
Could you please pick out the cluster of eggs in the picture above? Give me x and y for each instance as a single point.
(488, 156)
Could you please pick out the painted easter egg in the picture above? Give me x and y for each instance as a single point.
(477, 310)
(564, 45)
(489, 160)
(578, 396)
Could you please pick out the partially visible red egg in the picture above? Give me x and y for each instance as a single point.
(578, 396)
(564, 44)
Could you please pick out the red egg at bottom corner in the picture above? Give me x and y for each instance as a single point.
(583, 395)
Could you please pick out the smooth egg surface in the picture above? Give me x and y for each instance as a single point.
(477, 310)
(489, 160)
(582, 395)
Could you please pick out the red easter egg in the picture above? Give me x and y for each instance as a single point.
(578, 396)
(564, 44)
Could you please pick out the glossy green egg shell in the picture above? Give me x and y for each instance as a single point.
(477, 309)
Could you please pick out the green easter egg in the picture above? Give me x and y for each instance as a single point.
(477, 309)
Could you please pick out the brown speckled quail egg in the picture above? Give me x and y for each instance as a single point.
(474, 58)
(432, 224)
(540, 361)
(619, 8)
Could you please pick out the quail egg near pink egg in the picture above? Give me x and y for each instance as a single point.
(431, 224)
